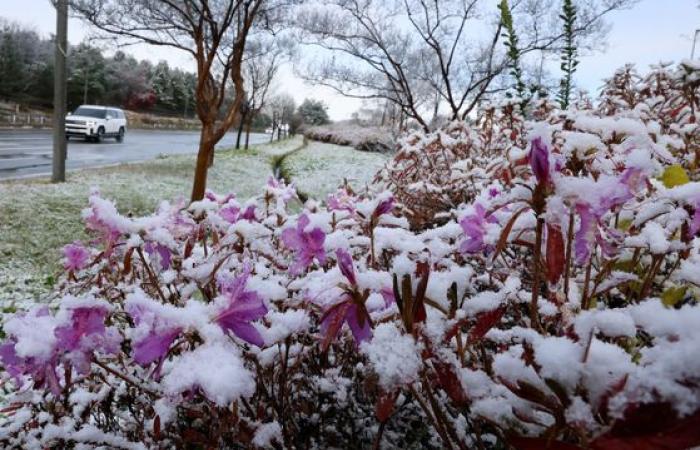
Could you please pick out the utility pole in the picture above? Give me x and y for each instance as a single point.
(695, 40)
(59, 93)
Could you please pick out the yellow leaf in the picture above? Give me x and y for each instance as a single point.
(624, 224)
(673, 295)
(675, 175)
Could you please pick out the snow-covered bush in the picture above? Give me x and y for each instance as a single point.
(555, 304)
(363, 138)
(433, 174)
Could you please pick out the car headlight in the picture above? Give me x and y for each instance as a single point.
(91, 123)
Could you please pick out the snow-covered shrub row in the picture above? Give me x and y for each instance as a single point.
(363, 138)
(433, 173)
(556, 306)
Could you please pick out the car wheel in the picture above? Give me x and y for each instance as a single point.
(100, 135)
(120, 135)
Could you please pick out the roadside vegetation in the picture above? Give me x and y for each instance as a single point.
(38, 218)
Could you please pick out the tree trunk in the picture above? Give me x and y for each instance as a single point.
(240, 131)
(247, 132)
(210, 159)
(204, 160)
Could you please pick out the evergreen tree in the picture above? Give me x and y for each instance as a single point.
(569, 53)
(511, 43)
(313, 112)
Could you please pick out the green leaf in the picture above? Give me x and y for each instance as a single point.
(673, 295)
(675, 175)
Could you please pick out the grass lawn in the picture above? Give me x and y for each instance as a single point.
(37, 218)
(319, 169)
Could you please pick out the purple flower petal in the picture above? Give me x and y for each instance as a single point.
(153, 347)
(346, 266)
(695, 221)
(85, 321)
(246, 331)
(539, 160)
(75, 256)
(359, 324)
(243, 307)
(586, 235)
(307, 245)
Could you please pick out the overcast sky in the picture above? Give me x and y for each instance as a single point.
(653, 31)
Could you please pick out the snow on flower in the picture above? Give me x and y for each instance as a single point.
(308, 245)
(394, 356)
(214, 369)
(241, 308)
(75, 256)
(474, 226)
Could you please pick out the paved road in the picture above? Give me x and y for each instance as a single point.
(28, 152)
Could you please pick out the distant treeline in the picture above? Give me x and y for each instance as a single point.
(26, 76)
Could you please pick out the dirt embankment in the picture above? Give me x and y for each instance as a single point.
(13, 115)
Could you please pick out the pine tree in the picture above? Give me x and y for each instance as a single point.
(511, 44)
(569, 53)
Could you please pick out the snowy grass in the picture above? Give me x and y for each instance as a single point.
(320, 168)
(37, 218)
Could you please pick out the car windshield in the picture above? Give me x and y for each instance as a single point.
(91, 112)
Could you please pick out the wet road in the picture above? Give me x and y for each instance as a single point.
(28, 152)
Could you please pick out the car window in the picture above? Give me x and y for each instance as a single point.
(91, 112)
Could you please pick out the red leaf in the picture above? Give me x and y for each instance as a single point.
(555, 253)
(450, 383)
(651, 427)
(156, 428)
(484, 322)
(127, 261)
(536, 443)
(385, 406)
(423, 272)
(337, 317)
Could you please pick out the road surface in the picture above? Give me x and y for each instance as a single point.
(28, 152)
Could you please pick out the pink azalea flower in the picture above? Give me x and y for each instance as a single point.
(346, 266)
(384, 207)
(209, 195)
(85, 321)
(695, 220)
(243, 307)
(162, 252)
(539, 160)
(75, 256)
(589, 232)
(249, 214)
(85, 333)
(474, 227)
(340, 201)
(230, 213)
(155, 345)
(354, 315)
(42, 372)
(307, 245)
(388, 296)
(586, 235)
(349, 310)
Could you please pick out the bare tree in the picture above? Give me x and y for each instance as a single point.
(213, 32)
(423, 55)
(264, 56)
(281, 109)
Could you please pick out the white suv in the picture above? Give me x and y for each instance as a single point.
(96, 122)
